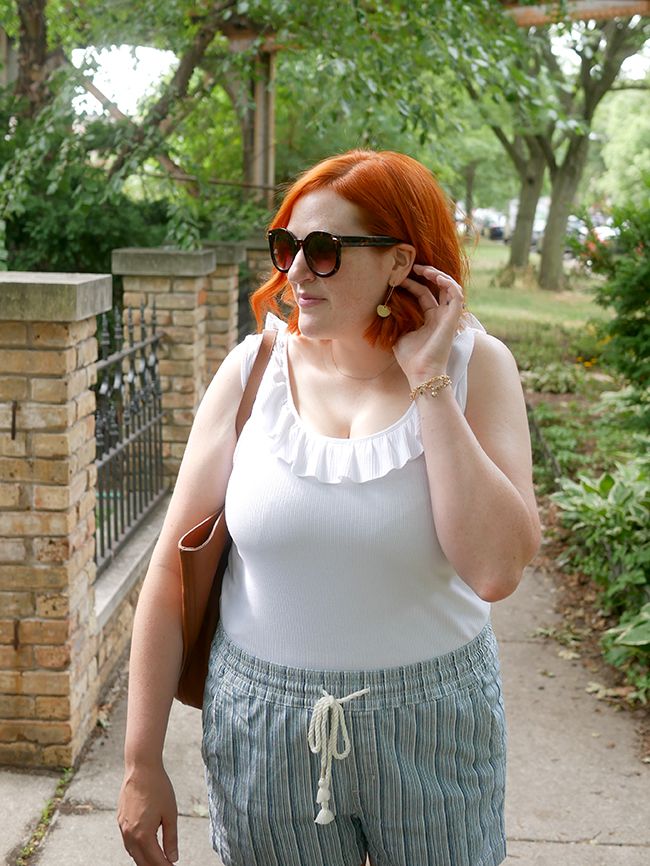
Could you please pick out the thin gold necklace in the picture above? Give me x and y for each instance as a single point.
(360, 378)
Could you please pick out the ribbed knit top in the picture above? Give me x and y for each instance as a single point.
(335, 563)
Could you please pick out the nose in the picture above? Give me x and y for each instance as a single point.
(299, 271)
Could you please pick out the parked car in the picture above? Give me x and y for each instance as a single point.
(494, 226)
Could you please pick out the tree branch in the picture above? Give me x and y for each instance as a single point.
(177, 88)
(622, 41)
(509, 146)
(544, 142)
(174, 170)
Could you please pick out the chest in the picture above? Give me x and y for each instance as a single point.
(346, 408)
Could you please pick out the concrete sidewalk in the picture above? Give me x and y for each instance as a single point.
(577, 793)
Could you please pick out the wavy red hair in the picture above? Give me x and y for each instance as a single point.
(396, 196)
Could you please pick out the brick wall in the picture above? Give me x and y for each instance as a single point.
(59, 645)
(222, 304)
(48, 672)
(178, 282)
(258, 261)
(196, 302)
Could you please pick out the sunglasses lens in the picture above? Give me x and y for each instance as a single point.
(283, 249)
(320, 252)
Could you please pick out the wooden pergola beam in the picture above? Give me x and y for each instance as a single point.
(581, 10)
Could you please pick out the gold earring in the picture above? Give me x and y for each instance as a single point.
(383, 310)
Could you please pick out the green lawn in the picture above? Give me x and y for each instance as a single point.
(504, 310)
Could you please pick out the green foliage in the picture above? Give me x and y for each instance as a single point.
(609, 519)
(67, 231)
(627, 646)
(59, 212)
(591, 434)
(371, 63)
(626, 264)
(535, 345)
(580, 436)
(555, 378)
(231, 215)
(631, 405)
(625, 154)
(634, 632)
(183, 229)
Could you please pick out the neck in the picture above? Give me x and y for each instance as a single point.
(358, 362)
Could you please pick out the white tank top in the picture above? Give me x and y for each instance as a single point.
(335, 563)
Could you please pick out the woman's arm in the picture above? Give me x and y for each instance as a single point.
(147, 799)
(480, 473)
(479, 464)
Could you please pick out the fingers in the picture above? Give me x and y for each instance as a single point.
(145, 851)
(170, 839)
(449, 292)
(147, 803)
(423, 293)
(441, 279)
(143, 847)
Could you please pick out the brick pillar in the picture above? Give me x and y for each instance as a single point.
(48, 671)
(178, 282)
(258, 260)
(223, 303)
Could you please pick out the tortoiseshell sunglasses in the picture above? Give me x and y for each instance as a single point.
(322, 250)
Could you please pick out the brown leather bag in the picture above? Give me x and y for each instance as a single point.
(203, 553)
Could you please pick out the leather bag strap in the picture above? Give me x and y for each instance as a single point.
(252, 386)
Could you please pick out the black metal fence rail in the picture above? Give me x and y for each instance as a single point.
(128, 429)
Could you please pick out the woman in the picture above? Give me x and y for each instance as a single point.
(379, 498)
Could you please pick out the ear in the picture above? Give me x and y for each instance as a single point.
(403, 256)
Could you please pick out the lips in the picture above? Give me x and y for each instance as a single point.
(309, 300)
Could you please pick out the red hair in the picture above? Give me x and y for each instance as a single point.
(396, 196)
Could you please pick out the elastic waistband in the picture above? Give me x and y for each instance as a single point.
(390, 687)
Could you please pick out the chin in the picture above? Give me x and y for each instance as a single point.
(313, 329)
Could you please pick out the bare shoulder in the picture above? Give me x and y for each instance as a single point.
(494, 393)
(492, 376)
(207, 460)
(491, 357)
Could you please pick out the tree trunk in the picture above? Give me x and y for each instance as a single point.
(254, 103)
(566, 178)
(32, 53)
(531, 187)
(241, 94)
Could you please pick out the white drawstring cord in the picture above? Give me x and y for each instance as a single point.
(321, 741)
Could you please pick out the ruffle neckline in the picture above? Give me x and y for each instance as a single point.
(311, 454)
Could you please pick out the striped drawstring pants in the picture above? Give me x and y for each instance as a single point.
(423, 783)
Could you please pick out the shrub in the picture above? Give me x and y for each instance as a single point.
(626, 265)
(580, 436)
(75, 227)
(555, 378)
(609, 519)
(628, 647)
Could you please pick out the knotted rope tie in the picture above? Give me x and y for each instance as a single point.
(326, 708)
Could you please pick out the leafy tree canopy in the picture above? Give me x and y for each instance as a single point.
(381, 54)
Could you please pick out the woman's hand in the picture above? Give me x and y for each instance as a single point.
(147, 802)
(424, 353)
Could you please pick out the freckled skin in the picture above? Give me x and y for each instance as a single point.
(344, 305)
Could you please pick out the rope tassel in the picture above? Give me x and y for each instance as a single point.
(328, 713)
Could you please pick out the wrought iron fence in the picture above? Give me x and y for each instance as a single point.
(128, 429)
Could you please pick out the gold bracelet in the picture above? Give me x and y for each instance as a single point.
(420, 389)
